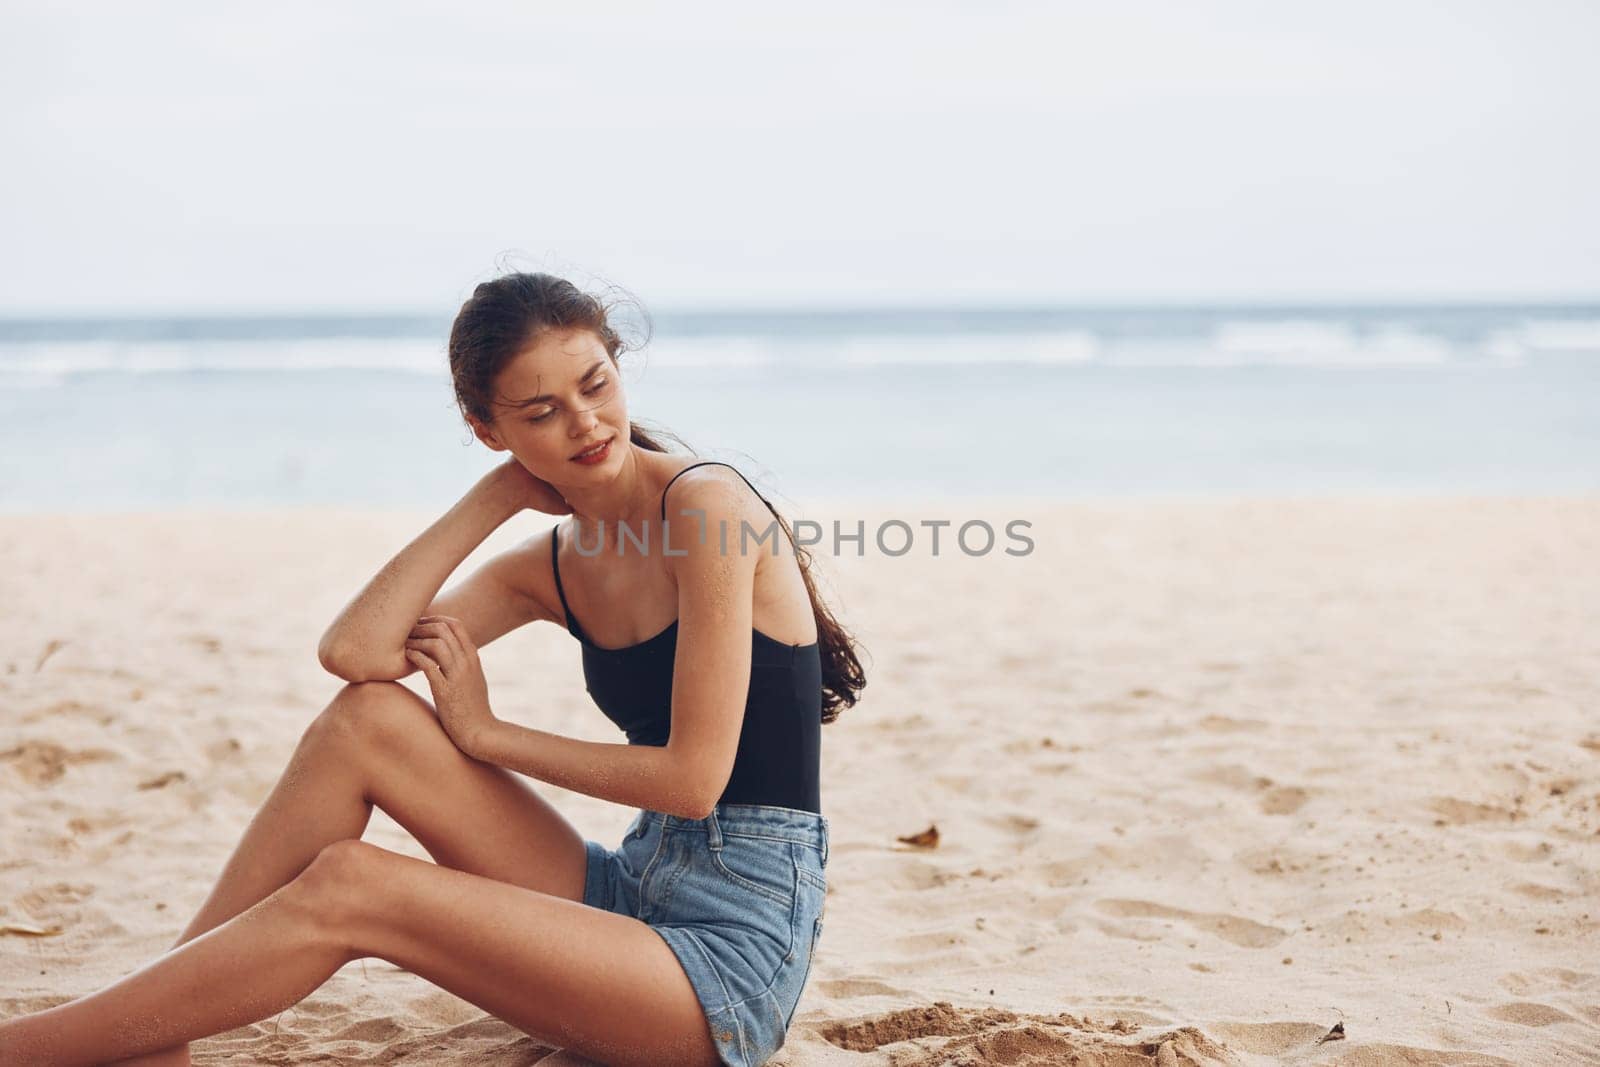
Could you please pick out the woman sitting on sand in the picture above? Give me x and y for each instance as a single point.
(691, 941)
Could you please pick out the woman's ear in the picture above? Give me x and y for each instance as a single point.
(486, 434)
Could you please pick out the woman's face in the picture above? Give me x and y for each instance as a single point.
(556, 399)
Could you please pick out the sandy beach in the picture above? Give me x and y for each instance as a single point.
(1209, 776)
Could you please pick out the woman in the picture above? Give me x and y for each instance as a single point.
(691, 941)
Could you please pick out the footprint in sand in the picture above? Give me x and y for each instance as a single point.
(860, 987)
(1059, 874)
(960, 783)
(1539, 892)
(1453, 811)
(1233, 776)
(56, 893)
(161, 781)
(920, 874)
(1275, 799)
(381, 1031)
(50, 906)
(1527, 852)
(1231, 928)
(71, 707)
(83, 825)
(1547, 980)
(224, 751)
(1223, 724)
(1276, 1039)
(1283, 800)
(1013, 823)
(41, 761)
(1529, 1013)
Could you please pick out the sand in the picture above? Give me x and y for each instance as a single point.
(1208, 776)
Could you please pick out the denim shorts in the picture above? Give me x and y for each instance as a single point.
(738, 896)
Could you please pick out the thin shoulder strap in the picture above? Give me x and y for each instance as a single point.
(702, 463)
(555, 550)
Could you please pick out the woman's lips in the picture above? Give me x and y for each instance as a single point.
(595, 457)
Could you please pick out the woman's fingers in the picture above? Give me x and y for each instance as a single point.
(436, 639)
(436, 630)
(430, 668)
(436, 648)
(463, 641)
(451, 638)
(453, 630)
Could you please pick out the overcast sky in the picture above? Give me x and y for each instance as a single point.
(341, 156)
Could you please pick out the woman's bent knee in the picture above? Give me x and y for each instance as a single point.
(329, 895)
(373, 716)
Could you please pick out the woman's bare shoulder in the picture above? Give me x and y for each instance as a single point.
(713, 493)
(531, 570)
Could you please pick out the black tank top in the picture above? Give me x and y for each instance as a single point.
(780, 741)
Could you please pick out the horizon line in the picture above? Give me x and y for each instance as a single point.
(835, 310)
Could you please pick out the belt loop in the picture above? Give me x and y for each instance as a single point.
(713, 831)
(824, 845)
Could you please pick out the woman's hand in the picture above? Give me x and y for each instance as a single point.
(439, 645)
(512, 483)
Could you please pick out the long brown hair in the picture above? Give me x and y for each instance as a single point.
(506, 315)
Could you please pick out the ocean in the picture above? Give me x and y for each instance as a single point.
(134, 414)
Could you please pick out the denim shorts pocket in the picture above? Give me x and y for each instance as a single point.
(761, 865)
(811, 864)
(813, 898)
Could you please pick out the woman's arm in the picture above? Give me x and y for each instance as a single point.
(710, 674)
(638, 776)
(366, 642)
(711, 679)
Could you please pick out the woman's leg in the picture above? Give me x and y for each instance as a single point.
(598, 983)
(378, 743)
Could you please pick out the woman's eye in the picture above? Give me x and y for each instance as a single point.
(600, 386)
